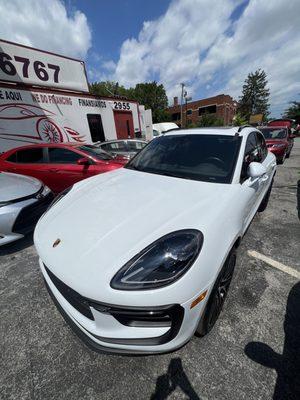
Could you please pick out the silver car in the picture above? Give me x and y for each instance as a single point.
(22, 201)
(126, 148)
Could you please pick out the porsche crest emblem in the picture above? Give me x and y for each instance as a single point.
(56, 243)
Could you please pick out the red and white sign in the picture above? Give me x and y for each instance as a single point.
(22, 64)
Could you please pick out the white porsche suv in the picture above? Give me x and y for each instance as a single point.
(141, 258)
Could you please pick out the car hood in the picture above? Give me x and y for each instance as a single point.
(15, 186)
(107, 219)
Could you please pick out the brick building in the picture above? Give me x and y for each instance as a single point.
(222, 106)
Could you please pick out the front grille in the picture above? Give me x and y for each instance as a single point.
(72, 297)
(29, 216)
(170, 316)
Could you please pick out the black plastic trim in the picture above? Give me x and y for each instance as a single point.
(29, 215)
(173, 312)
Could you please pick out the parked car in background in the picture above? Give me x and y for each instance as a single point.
(125, 148)
(59, 165)
(158, 239)
(163, 127)
(22, 201)
(287, 122)
(280, 141)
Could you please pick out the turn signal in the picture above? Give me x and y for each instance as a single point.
(198, 299)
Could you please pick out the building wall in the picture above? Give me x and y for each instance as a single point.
(222, 106)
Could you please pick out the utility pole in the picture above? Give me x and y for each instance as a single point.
(186, 102)
(181, 105)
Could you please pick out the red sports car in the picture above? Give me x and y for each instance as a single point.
(59, 165)
(279, 140)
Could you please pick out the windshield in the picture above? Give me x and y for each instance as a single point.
(274, 133)
(209, 158)
(96, 152)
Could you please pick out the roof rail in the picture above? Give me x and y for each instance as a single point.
(244, 126)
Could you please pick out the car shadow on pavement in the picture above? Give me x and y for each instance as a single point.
(287, 364)
(174, 378)
(16, 246)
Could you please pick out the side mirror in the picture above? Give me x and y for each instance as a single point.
(83, 161)
(256, 170)
(292, 136)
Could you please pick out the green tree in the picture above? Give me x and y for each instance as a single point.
(153, 96)
(293, 111)
(255, 95)
(207, 120)
(109, 88)
(239, 120)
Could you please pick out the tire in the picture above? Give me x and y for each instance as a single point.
(281, 160)
(264, 203)
(217, 297)
(288, 155)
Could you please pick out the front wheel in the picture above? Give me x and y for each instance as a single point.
(217, 297)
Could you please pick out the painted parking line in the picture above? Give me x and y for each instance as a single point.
(275, 264)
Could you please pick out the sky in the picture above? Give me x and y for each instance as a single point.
(210, 45)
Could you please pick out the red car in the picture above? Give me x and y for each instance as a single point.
(59, 165)
(279, 140)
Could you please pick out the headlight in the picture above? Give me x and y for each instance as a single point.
(59, 197)
(279, 145)
(161, 263)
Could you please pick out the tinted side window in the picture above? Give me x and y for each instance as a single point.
(63, 156)
(115, 146)
(30, 156)
(251, 154)
(135, 146)
(262, 147)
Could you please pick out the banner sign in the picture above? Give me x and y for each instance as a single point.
(22, 64)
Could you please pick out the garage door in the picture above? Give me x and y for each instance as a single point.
(124, 124)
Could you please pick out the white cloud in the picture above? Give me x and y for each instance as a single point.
(45, 24)
(197, 42)
(171, 46)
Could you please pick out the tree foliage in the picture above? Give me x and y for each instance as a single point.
(293, 111)
(239, 120)
(255, 95)
(150, 94)
(207, 120)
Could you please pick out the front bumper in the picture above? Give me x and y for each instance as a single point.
(123, 329)
(19, 218)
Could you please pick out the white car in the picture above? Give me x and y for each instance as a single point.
(23, 200)
(162, 127)
(141, 258)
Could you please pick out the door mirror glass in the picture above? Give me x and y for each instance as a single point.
(83, 161)
(256, 170)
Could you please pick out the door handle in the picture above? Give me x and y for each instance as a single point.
(11, 169)
(53, 170)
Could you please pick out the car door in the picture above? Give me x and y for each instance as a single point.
(64, 169)
(30, 161)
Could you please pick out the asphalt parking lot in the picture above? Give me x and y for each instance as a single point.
(252, 353)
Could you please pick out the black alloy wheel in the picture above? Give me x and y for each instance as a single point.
(217, 297)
